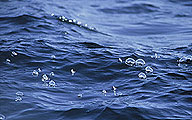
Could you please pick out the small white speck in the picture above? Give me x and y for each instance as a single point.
(86, 25)
(39, 69)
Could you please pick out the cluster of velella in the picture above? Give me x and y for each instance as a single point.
(13, 54)
(114, 89)
(138, 63)
(19, 96)
(73, 21)
(45, 78)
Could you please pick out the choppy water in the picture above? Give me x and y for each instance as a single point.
(77, 66)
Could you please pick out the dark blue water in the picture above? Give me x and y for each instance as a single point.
(82, 47)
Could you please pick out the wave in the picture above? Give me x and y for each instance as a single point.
(131, 9)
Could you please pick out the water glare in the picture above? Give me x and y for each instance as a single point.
(156, 56)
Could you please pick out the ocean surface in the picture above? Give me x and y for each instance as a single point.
(95, 59)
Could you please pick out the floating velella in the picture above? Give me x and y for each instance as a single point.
(8, 60)
(80, 95)
(52, 83)
(13, 53)
(120, 60)
(19, 93)
(72, 71)
(114, 88)
(104, 91)
(130, 61)
(45, 78)
(35, 73)
(52, 56)
(140, 62)
(18, 98)
(2, 117)
(149, 69)
(52, 74)
(142, 75)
